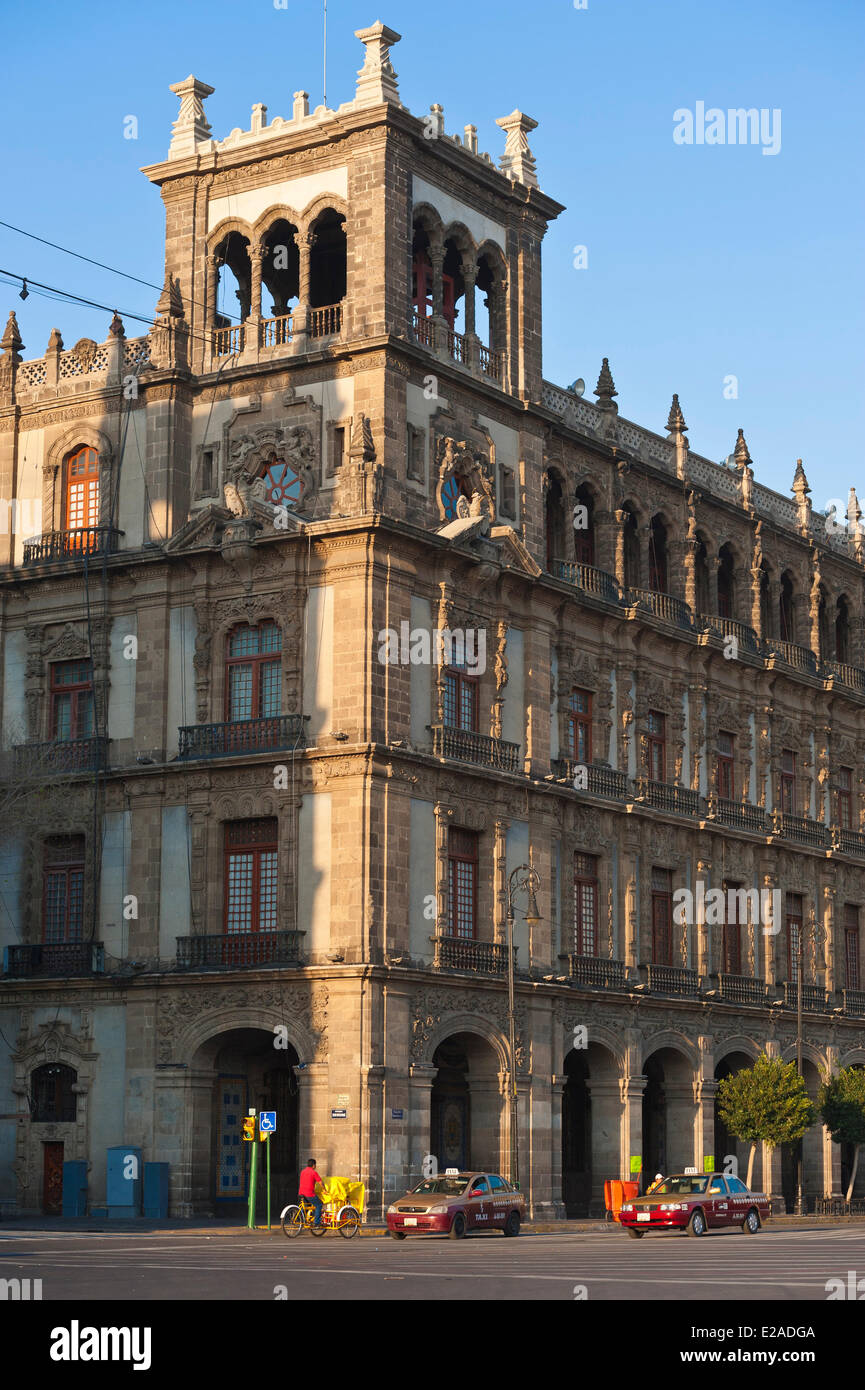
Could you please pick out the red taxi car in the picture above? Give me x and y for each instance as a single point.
(696, 1203)
(454, 1203)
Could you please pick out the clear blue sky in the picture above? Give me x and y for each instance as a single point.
(703, 261)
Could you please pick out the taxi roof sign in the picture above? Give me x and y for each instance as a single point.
(690, 1170)
(452, 1172)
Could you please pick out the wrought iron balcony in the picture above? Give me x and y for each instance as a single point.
(590, 580)
(664, 606)
(814, 997)
(742, 989)
(673, 979)
(854, 1002)
(728, 627)
(739, 814)
(324, 322)
(74, 544)
(598, 971)
(283, 732)
(800, 658)
(57, 959)
(848, 841)
(681, 801)
(851, 676)
(601, 781)
(477, 957)
(234, 950)
(468, 747)
(799, 828)
(59, 756)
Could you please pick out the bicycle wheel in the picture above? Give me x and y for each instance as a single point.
(292, 1221)
(349, 1222)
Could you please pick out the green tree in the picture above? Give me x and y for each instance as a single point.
(766, 1103)
(842, 1104)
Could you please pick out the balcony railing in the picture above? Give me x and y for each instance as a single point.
(59, 959)
(457, 346)
(848, 841)
(60, 756)
(477, 957)
(589, 579)
(227, 341)
(234, 950)
(854, 1002)
(601, 781)
(739, 814)
(728, 627)
(73, 544)
(423, 329)
(681, 801)
(801, 658)
(598, 971)
(851, 676)
(664, 606)
(814, 997)
(468, 747)
(491, 363)
(742, 989)
(323, 323)
(283, 731)
(673, 979)
(799, 828)
(276, 332)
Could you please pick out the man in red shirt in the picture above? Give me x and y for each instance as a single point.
(306, 1188)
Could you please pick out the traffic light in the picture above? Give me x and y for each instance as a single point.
(249, 1127)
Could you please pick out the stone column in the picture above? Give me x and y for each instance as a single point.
(313, 1116)
(256, 261)
(632, 1089)
(828, 962)
(443, 816)
(557, 1089)
(470, 276)
(705, 962)
(304, 241)
(421, 1076)
(213, 265)
(621, 520)
(705, 1091)
(769, 929)
(500, 882)
(439, 325)
(832, 1152)
(756, 604)
(690, 561)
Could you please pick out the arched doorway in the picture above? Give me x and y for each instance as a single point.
(591, 1125)
(809, 1150)
(727, 1146)
(248, 1072)
(466, 1105)
(668, 1114)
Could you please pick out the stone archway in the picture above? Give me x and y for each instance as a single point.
(591, 1128)
(727, 1147)
(669, 1113)
(468, 1119)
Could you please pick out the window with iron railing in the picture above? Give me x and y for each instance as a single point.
(54, 1101)
(851, 946)
(579, 726)
(71, 700)
(662, 917)
(462, 883)
(788, 782)
(656, 746)
(844, 798)
(253, 672)
(81, 504)
(63, 889)
(251, 876)
(461, 700)
(585, 905)
(726, 763)
(793, 918)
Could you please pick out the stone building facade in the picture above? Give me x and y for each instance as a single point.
(261, 828)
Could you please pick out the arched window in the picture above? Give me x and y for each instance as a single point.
(283, 485)
(584, 526)
(726, 593)
(421, 273)
(785, 609)
(253, 677)
(327, 261)
(555, 521)
(234, 286)
(280, 268)
(658, 556)
(63, 889)
(81, 503)
(842, 630)
(54, 1101)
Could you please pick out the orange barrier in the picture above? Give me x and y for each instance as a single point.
(616, 1193)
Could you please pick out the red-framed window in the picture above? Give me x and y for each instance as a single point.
(726, 762)
(793, 916)
(462, 883)
(63, 889)
(461, 700)
(71, 700)
(422, 290)
(731, 939)
(656, 745)
(851, 946)
(81, 501)
(662, 917)
(579, 731)
(585, 905)
(844, 798)
(788, 781)
(253, 672)
(251, 876)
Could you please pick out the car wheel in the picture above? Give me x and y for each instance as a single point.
(635, 1235)
(512, 1225)
(751, 1224)
(697, 1224)
(458, 1229)
(398, 1235)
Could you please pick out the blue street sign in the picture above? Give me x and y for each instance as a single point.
(396, 1114)
(338, 1114)
(267, 1121)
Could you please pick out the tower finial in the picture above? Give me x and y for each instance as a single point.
(191, 125)
(675, 419)
(740, 453)
(606, 387)
(376, 80)
(518, 162)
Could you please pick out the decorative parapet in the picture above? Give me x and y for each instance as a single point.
(376, 80)
(192, 127)
(518, 162)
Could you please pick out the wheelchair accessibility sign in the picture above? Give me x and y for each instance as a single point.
(267, 1121)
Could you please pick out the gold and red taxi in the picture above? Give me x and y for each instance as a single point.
(454, 1204)
(697, 1203)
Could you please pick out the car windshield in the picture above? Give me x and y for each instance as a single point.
(684, 1186)
(449, 1187)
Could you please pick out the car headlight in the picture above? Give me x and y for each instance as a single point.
(674, 1206)
(437, 1211)
(390, 1209)
(627, 1207)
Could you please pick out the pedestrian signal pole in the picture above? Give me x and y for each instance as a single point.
(249, 1134)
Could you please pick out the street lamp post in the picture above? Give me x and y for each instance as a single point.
(800, 1209)
(528, 883)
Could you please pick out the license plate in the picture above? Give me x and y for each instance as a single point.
(409, 1221)
(644, 1216)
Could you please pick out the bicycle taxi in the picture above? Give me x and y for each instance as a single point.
(342, 1199)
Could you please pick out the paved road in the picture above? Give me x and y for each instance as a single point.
(789, 1265)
